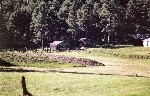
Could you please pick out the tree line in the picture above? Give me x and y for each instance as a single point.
(35, 23)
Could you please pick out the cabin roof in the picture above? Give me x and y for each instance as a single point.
(141, 36)
(148, 39)
(57, 42)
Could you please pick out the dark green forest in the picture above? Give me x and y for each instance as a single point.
(31, 23)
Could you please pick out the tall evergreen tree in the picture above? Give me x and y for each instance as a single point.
(85, 17)
(137, 12)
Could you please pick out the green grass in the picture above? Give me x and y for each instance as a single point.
(121, 53)
(125, 51)
(100, 54)
(56, 84)
(64, 84)
(47, 65)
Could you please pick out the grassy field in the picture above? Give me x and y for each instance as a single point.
(122, 54)
(67, 84)
(116, 64)
(57, 84)
(116, 51)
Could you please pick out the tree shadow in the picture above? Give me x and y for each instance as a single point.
(7, 69)
(5, 63)
(24, 88)
(116, 46)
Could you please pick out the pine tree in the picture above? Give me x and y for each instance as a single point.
(137, 12)
(85, 17)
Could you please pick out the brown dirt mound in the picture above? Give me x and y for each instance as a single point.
(33, 58)
(82, 61)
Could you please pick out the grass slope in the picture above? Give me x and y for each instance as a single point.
(116, 51)
(100, 54)
(56, 84)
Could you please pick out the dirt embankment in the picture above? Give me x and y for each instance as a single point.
(33, 58)
(82, 61)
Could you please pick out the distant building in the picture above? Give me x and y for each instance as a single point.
(138, 39)
(146, 42)
(58, 46)
(141, 36)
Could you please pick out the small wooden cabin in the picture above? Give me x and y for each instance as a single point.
(58, 46)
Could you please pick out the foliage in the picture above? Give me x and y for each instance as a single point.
(43, 21)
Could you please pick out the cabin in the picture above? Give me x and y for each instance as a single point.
(58, 46)
(146, 42)
(138, 39)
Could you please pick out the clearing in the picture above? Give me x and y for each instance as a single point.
(122, 75)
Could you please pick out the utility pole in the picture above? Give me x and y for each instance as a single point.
(1, 21)
(109, 25)
(42, 42)
(1, 13)
(110, 22)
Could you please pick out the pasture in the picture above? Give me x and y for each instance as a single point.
(64, 84)
(126, 73)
